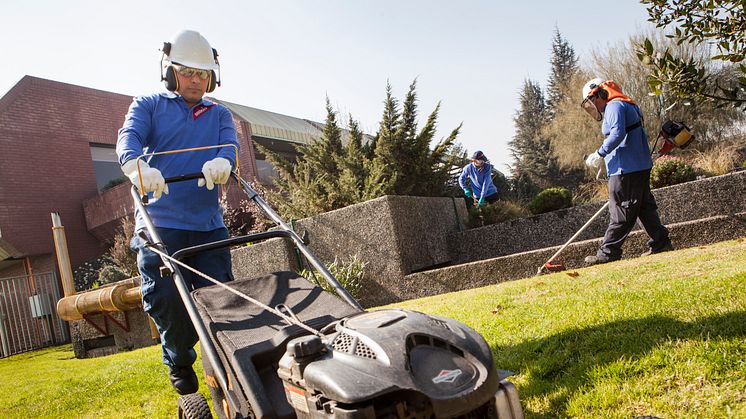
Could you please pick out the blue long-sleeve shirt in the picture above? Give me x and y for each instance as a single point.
(164, 122)
(480, 180)
(624, 152)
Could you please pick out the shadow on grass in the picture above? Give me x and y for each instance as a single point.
(557, 366)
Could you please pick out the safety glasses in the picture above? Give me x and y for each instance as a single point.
(191, 72)
(591, 109)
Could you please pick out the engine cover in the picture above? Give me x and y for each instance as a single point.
(390, 362)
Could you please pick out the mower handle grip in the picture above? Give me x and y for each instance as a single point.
(174, 179)
(182, 178)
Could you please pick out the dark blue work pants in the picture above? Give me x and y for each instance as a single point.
(160, 298)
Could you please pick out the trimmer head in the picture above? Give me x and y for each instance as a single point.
(551, 266)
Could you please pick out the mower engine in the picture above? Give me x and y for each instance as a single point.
(396, 363)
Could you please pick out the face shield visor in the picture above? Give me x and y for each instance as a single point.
(591, 109)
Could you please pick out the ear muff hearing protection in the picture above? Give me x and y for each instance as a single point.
(214, 81)
(168, 75)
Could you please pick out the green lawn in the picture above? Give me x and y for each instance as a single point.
(663, 335)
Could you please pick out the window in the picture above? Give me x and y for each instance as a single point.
(267, 172)
(106, 166)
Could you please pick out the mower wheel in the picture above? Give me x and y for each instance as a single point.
(194, 406)
(219, 402)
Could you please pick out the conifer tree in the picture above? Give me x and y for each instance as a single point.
(408, 165)
(531, 151)
(353, 167)
(387, 148)
(328, 175)
(311, 185)
(564, 64)
(317, 153)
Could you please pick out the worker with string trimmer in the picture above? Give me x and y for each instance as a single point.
(627, 156)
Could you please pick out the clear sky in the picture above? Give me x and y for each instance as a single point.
(287, 56)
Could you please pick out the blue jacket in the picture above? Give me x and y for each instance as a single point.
(624, 152)
(163, 122)
(480, 180)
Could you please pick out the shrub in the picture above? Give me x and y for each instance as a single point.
(669, 171)
(110, 274)
(350, 274)
(120, 253)
(591, 192)
(402, 159)
(247, 218)
(86, 275)
(550, 200)
(114, 182)
(495, 213)
(718, 160)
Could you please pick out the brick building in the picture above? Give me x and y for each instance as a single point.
(57, 146)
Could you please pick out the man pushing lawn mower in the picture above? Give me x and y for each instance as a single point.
(626, 154)
(180, 119)
(278, 345)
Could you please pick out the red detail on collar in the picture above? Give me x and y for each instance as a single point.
(198, 110)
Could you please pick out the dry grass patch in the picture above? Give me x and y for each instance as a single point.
(719, 160)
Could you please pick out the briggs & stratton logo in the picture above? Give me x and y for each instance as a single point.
(446, 376)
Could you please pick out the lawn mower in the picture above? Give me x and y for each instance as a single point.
(279, 346)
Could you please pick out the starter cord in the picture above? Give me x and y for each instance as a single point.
(289, 318)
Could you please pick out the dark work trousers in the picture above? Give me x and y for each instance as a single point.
(160, 298)
(629, 200)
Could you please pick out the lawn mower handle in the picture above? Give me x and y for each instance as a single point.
(208, 349)
(291, 234)
(298, 241)
(173, 179)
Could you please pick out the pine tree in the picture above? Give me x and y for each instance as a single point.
(353, 165)
(402, 155)
(531, 151)
(328, 175)
(387, 150)
(311, 185)
(446, 154)
(564, 64)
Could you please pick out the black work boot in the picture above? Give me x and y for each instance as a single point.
(183, 379)
(665, 248)
(597, 260)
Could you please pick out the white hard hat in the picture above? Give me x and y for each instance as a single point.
(190, 49)
(592, 84)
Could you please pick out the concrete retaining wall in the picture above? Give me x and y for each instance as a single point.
(258, 259)
(395, 235)
(89, 342)
(685, 202)
(523, 265)
(399, 236)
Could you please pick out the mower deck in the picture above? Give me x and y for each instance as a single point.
(250, 340)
